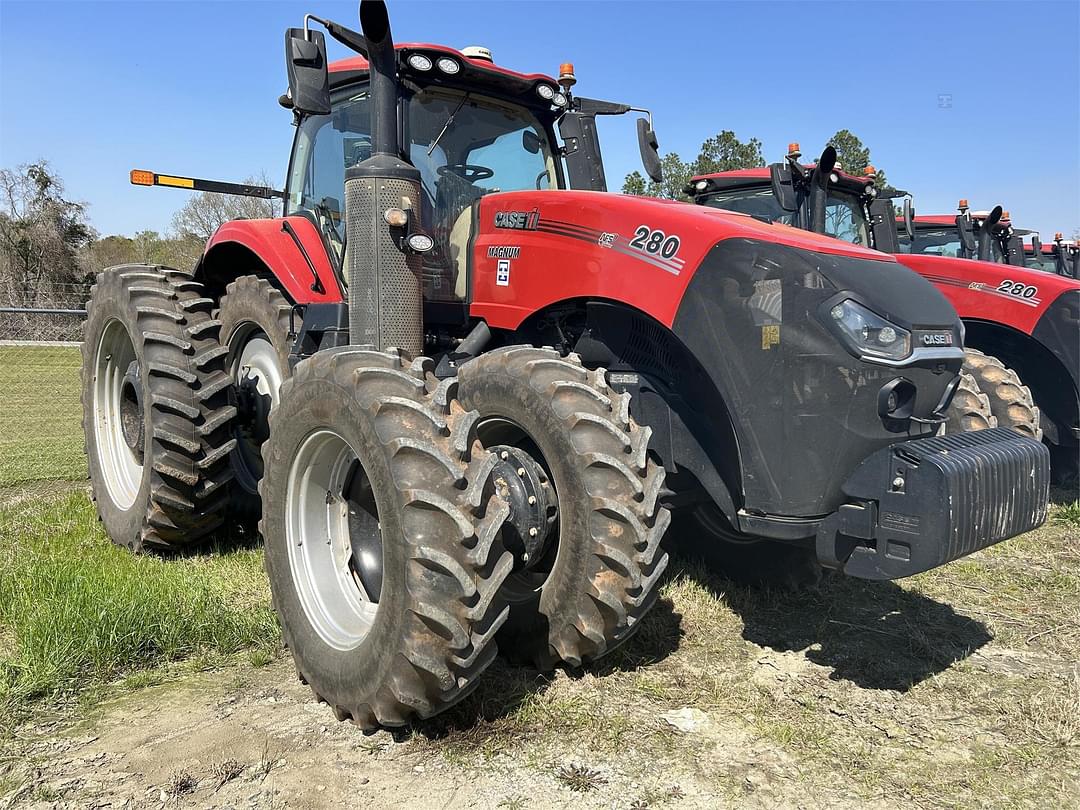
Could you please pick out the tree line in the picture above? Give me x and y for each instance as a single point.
(50, 253)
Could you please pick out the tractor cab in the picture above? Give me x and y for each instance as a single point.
(1062, 256)
(469, 127)
(794, 193)
(984, 235)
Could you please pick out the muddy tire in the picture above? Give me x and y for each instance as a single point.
(1011, 402)
(970, 408)
(156, 414)
(382, 535)
(256, 324)
(702, 532)
(598, 574)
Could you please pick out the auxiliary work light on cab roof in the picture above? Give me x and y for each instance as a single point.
(419, 62)
(447, 65)
(545, 91)
(701, 185)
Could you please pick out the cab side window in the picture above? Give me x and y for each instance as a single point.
(325, 147)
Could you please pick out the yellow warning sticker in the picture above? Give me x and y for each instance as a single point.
(770, 336)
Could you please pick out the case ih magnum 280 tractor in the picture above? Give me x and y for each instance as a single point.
(961, 236)
(1022, 333)
(433, 481)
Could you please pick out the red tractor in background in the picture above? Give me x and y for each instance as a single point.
(1062, 256)
(1022, 333)
(465, 399)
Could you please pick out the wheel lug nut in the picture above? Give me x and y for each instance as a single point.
(521, 472)
(532, 500)
(504, 455)
(533, 532)
(525, 557)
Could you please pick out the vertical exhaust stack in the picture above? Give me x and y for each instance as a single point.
(819, 188)
(385, 297)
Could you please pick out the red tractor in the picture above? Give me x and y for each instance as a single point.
(469, 398)
(1022, 365)
(962, 236)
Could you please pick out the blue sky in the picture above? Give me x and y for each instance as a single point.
(98, 88)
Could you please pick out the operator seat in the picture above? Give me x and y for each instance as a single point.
(451, 227)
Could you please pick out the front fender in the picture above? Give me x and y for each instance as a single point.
(295, 269)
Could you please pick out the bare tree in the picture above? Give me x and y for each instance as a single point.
(207, 211)
(41, 235)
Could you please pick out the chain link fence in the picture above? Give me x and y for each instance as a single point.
(41, 445)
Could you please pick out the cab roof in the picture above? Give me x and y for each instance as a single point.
(740, 178)
(342, 70)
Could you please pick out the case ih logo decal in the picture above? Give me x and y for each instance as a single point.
(503, 251)
(517, 220)
(937, 339)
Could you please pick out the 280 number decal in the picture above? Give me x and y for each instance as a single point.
(655, 241)
(1017, 288)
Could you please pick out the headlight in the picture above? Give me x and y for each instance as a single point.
(545, 91)
(448, 65)
(419, 62)
(868, 334)
(559, 100)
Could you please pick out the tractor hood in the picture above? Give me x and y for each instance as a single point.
(644, 251)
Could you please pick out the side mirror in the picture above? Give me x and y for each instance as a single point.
(305, 61)
(909, 219)
(530, 141)
(650, 151)
(782, 188)
(1036, 246)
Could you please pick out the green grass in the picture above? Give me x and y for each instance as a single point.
(76, 610)
(40, 421)
(1067, 514)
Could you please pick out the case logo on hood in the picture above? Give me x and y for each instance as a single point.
(937, 339)
(518, 220)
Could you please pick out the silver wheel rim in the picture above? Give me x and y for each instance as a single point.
(318, 537)
(253, 362)
(121, 471)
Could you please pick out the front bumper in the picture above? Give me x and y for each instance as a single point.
(919, 504)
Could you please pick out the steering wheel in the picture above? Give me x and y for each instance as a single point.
(469, 172)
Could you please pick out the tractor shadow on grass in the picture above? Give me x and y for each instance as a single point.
(875, 635)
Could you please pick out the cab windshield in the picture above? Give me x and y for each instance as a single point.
(943, 241)
(756, 202)
(845, 219)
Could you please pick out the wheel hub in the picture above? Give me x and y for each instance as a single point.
(131, 410)
(522, 482)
